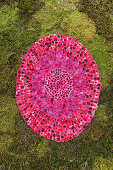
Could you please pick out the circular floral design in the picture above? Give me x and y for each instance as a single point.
(58, 87)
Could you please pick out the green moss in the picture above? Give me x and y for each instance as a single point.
(99, 13)
(100, 52)
(73, 153)
(27, 147)
(84, 165)
(8, 16)
(78, 25)
(101, 115)
(63, 168)
(94, 130)
(53, 12)
(74, 24)
(16, 35)
(67, 5)
(106, 142)
(98, 125)
(9, 73)
(26, 7)
(8, 110)
(42, 148)
(101, 163)
(5, 141)
(25, 134)
(48, 17)
(51, 32)
(111, 16)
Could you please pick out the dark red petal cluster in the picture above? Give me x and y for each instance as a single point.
(58, 87)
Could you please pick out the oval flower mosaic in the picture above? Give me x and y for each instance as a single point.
(58, 87)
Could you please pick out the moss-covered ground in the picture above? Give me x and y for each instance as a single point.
(21, 24)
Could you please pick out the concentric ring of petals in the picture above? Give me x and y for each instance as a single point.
(58, 87)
